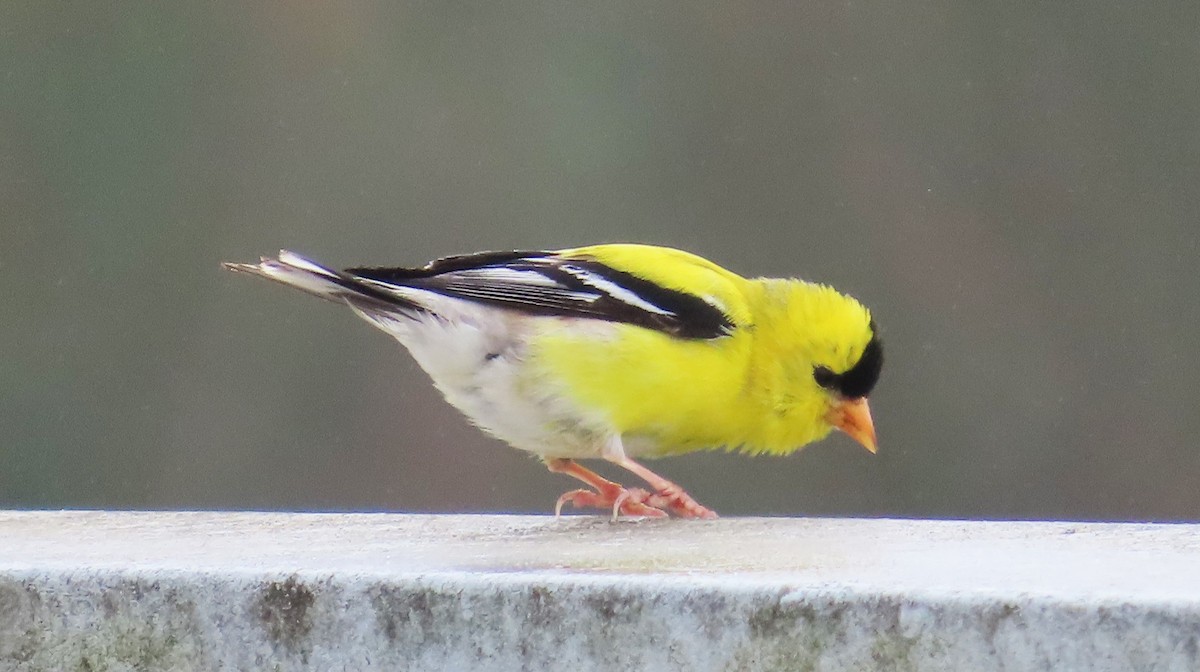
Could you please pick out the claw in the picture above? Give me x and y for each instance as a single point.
(680, 503)
(630, 502)
(668, 495)
(617, 502)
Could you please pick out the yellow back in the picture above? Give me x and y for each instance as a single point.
(752, 390)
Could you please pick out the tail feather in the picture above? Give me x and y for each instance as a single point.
(308, 276)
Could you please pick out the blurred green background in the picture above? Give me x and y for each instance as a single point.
(1012, 188)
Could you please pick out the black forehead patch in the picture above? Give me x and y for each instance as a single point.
(860, 379)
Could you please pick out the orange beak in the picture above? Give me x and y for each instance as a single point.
(853, 417)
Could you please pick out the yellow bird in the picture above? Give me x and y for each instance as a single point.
(618, 352)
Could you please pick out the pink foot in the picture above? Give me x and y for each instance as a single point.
(678, 502)
(630, 502)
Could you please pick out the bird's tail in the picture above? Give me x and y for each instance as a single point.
(306, 275)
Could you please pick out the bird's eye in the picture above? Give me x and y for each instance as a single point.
(824, 377)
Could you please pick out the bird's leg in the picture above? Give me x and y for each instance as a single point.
(607, 495)
(669, 495)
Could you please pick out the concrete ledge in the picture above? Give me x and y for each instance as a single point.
(236, 591)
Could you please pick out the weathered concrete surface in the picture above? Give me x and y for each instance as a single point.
(232, 591)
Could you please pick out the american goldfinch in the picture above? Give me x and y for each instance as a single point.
(618, 352)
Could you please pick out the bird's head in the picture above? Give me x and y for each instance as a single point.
(837, 358)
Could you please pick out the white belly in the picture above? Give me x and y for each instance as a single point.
(477, 358)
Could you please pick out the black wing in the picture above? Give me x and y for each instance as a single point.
(542, 283)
